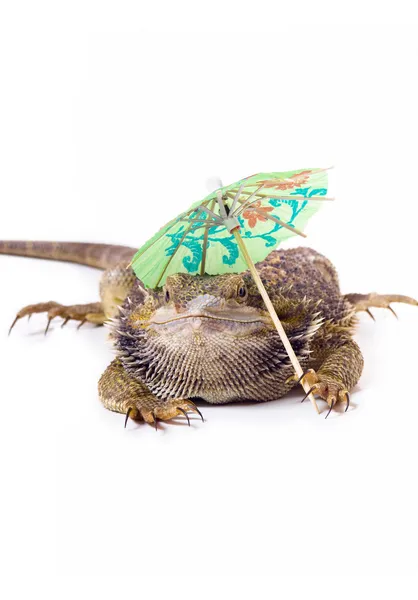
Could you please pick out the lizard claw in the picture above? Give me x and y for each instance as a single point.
(313, 388)
(347, 395)
(47, 325)
(127, 415)
(184, 413)
(295, 379)
(307, 372)
(392, 311)
(13, 324)
(194, 408)
(330, 409)
(371, 315)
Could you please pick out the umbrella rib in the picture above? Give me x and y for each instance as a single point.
(294, 197)
(207, 226)
(178, 246)
(269, 196)
(314, 172)
(199, 221)
(208, 211)
(246, 202)
(222, 210)
(205, 246)
(237, 195)
(249, 205)
(174, 253)
(276, 220)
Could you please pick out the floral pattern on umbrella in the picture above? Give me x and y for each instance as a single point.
(255, 214)
(287, 183)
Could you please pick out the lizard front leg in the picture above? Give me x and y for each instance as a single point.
(114, 287)
(120, 392)
(92, 313)
(336, 367)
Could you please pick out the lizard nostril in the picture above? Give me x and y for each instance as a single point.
(178, 307)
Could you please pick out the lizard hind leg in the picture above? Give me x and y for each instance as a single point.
(120, 392)
(91, 313)
(363, 302)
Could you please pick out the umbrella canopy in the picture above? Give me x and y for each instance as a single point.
(231, 228)
(268, 207)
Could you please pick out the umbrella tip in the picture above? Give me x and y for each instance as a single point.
(213, 183)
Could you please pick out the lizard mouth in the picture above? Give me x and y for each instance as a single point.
(245, 319)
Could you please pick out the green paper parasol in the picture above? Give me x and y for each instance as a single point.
(270, 208)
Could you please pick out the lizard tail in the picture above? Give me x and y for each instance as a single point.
(100, 256)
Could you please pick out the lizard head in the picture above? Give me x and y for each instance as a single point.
(195, 307)
(197, 335)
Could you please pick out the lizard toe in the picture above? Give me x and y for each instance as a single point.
(329, 389)
(170, 409)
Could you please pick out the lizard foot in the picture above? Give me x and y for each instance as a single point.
(326, 387)
(92, 313)
(162, 411)
(121, 392)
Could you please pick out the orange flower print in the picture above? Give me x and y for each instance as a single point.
(286, 183)
(252, 217)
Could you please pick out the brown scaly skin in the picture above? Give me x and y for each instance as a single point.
(210, 337)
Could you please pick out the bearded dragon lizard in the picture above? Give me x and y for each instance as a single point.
(210, 337)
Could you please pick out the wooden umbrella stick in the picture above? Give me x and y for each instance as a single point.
(273, 314)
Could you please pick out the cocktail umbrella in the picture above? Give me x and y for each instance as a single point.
(234, 227)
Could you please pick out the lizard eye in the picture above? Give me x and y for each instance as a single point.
(242, 292)
(167, 296)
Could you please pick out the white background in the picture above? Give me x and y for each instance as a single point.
(98, 103)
